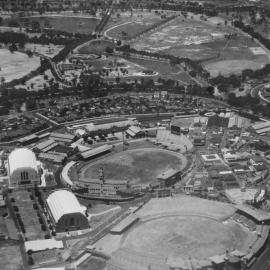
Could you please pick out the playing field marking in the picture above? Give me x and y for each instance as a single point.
(113, 27)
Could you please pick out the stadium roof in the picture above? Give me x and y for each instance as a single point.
(168, 174)
(64, 175)
(258, 215)
(22, 158)
(96, 151)
(124, 224)
(62, 202)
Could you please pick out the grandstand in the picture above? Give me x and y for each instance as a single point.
(124, 224)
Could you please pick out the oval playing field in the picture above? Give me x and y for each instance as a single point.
(179, 231)
(139, 166)
(196, 236)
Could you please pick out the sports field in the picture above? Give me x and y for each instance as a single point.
(179, 227)
(182, 37)
(195, 236)
(205, 41)
(139, 166)
(128, 25)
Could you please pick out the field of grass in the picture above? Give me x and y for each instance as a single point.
(165, 70)
(95, 47)
(184, 37)
(71, 24)
(139, 166)
(184, 236)
(13, 65)
(132, 24)
(205, 41)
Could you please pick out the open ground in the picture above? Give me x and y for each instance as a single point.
(13, 65)
(184, 236)
(178, 226)
(10, 258)
(205, 41)
(139, 166)
(136, 65)
(71, 24)
(128, 25)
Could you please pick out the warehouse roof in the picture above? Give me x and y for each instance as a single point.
(22, 158)
(62, 202)
(96, 151)
(261, 125)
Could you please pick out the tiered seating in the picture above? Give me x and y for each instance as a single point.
(248, 223)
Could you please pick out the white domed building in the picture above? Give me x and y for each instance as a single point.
(23, 168)
(65, 211)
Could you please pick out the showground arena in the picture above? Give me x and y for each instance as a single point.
(138, 166)
(182, 231)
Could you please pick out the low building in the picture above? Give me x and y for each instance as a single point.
(211, 159)
(23, 169)
(64, 138)
(178, 127)
(45, 146)
(169, 177)
(28, 139)
(135, 132)
(57, 158)
(101, 150)
(65, 212)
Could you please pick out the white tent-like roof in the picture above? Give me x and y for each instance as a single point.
(62, 202)
(22, 158)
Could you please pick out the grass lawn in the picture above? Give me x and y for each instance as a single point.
(13, 65)
(185, 235)
(132, 25)
(95, 47)
(205, 41)
(68, 24)
(140, 166)
(165, 70)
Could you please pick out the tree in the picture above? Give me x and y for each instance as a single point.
(30, 260)
(109, 49)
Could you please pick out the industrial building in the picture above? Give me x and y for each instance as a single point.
(65, 212)
(23, 168)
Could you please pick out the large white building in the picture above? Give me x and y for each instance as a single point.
(23, 168)
(65, 211)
